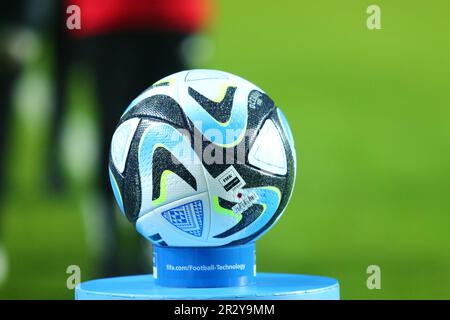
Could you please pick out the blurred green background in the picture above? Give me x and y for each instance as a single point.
(370, 112)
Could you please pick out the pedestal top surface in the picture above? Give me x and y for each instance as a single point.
(267, 286)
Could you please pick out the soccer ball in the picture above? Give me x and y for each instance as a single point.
(202, 158)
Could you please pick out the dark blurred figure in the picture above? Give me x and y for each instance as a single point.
(11, 23)
(11, 28)
(23, 24)
(128, 45)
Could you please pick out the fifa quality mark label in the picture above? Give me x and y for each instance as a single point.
(247, 201)
(231, 180)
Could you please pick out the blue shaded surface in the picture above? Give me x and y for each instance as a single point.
(209, 258)
(268, 286)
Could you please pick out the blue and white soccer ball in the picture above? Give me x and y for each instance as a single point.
(202, 158)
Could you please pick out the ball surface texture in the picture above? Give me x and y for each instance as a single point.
(202, 158)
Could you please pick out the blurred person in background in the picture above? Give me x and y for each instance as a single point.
(10, 24)
(127, 45)
(19, 44)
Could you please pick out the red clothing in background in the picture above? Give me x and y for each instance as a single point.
(107, 16)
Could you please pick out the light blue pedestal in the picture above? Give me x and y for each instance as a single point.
(268, 286)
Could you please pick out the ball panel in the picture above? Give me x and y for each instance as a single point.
(204, 74)
(178, 223)
(175, 159)
(157, 107)
(129, 180)
(121, 142)
(116, 191)
(267, 152)
(160, 88)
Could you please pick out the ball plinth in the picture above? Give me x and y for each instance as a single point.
(203, 163)
(204, 267)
